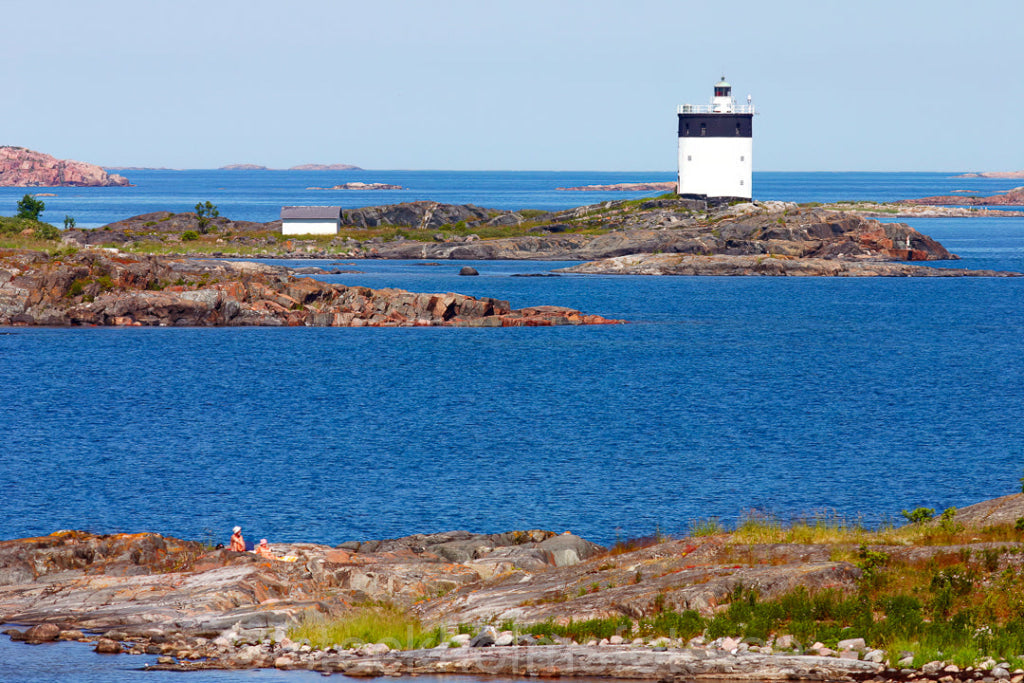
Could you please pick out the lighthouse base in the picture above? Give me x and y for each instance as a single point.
(715, 202)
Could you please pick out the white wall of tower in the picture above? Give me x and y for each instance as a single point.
(716, 166)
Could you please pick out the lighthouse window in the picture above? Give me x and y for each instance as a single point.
(741, 157)
(703, 129)
(689, 157)
(737, 129)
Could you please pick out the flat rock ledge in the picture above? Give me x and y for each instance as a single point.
(576, 661)
(777, 265)
(103, 287)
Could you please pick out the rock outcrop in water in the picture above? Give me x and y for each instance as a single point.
(20, 167)
(688, 264)
(104, 288)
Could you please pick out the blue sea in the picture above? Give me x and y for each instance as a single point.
(722, 397)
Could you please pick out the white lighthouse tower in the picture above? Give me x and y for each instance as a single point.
(715, 146)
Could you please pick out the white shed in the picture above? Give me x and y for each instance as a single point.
(310, 220)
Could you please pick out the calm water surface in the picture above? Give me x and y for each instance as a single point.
(723, 395)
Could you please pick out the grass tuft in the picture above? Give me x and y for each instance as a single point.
(368, 624)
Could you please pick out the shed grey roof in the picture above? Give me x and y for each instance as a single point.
(322, 212)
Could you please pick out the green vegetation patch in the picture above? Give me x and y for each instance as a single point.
(15, 226)
(368, 624)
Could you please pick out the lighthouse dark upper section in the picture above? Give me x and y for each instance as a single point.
(716, 125)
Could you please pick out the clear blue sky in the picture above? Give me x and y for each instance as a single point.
(521, 85)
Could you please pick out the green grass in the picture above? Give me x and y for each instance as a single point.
(580, 631)
(706, 527)
(368, 624)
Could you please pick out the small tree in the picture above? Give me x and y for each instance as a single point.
(69, 223)
(29, 207)
(205, 213)
(919, 515)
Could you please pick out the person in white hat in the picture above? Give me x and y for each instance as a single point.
(237, 542)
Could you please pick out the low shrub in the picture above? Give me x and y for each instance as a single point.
(919, 515)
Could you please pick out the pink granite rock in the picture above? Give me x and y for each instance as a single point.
(20, 167)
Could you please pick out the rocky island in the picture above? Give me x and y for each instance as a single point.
(356, 185)
(993, 174)
(667, 234)
(1014, 197)
(667, 225)
(20, 167)
(325, 167)
(710, 605)
(100, 287)
(669, 186)
(300, 167)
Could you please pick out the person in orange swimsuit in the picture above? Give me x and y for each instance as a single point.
(237, 542)
(263, 549)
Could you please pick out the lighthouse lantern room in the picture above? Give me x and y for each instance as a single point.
(715, 146)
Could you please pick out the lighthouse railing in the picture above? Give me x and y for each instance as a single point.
(714, 109)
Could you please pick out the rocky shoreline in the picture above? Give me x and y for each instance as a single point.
(102, 287)
(195, 607)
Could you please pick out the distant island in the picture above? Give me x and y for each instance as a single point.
(300, 167)
(360, 186)
(1014, 197)
(243, 167)
(325, 167)
(669, 186)
(993, 174)
(21, 167)
(139, 168)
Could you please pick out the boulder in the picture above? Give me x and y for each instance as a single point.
(42, 633)
(106, 646)
(485, 638)
(468, 270)
(852, 644)
(505, 639)
(569, 549)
